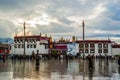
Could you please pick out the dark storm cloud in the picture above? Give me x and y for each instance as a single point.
(103, 35)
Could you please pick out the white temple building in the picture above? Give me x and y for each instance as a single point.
(33, 44)
(95, 47)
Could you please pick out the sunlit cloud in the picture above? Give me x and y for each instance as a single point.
(60, 17)
(41, 20)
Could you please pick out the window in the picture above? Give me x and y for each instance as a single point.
(27, 40)
(31, 46)
(86, 51)
(31, 40)
(99, 45)
(18, 40)
(105, 50)
(81, 45)
(105, 45)
(86, 45)
(92, 50)
(15, 41)
(28, 46)
(34, 45)
(15, 46)
(46, 46)
(92, 45)
(81, 50)
(22, 46)
(35, 41)
(99, 50)
(22, 40)
(18, 46)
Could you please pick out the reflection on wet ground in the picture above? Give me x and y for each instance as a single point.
(59, 70)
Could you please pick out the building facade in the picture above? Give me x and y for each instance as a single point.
(4, 48)
(45, 45)
(95, 47)
(116, 49)
(58, 47)
(33, 44)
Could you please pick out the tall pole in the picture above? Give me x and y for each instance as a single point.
(83, 25)
(24, 38)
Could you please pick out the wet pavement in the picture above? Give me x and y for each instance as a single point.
(59, 70)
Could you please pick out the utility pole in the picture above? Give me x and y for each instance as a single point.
(24, 39)
(83, 25)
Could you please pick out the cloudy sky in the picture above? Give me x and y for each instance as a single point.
(61, 18)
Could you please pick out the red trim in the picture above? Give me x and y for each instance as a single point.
(38, 37)
(61, 47)
(116, 46)
(95, 41)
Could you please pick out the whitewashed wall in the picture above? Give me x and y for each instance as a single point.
(115, 51)
(28, 51)
(96, 50)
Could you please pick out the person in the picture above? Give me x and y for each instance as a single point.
(90, 61)
(4, 57)
(33, 55)
(37, 60)
(119, 61)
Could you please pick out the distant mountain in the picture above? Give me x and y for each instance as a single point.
(6, 40)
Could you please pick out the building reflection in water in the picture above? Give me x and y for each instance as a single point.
(106, 67)
(6, 71)
(91, 70)
(58, 70)
(119, 70)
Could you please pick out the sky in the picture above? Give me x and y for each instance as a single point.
(61, 18)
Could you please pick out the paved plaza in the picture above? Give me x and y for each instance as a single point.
(75, 69)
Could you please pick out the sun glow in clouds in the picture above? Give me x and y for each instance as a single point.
(40, 20)
(43, 19)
